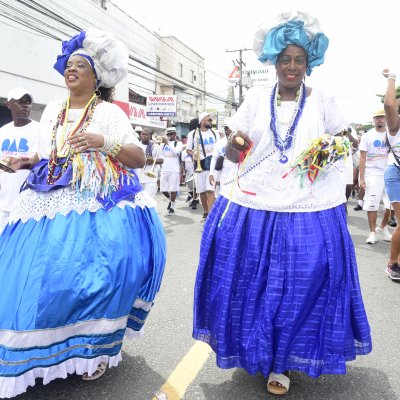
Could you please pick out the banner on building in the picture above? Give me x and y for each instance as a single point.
(137, 115)
(161, 106)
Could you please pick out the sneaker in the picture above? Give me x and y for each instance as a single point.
(188, 198)
(371, 239)
(171, 211)
(204, 217)
(169, 206)
(383, 234)
(392, 222)
(193, 205)
(393, 271)
(357, 208)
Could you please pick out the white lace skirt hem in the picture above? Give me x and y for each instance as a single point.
(36, 205)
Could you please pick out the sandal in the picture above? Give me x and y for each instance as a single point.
(282, 383)
(101, 368)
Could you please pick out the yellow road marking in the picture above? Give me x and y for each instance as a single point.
(186, 371)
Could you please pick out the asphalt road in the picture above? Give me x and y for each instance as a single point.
(149, 361)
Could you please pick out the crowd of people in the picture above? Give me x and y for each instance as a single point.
(277, 287)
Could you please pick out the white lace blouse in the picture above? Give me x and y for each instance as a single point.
(108, 119)
(263, 174)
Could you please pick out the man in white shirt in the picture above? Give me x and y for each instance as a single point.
(170, 172)
(373, 160)
(17, 137)
(149, 173)
(200, 145)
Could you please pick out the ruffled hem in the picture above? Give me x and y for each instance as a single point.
(13, 386)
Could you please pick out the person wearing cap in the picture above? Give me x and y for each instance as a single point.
(200, 145)
(277, 285)
(372, 165)
(392, 172)
(84, 249)
(19, 137)
(171, 168)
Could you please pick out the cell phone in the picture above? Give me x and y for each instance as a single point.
(6, 168)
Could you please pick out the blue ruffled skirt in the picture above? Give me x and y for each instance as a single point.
(71, 287)
(280, 291)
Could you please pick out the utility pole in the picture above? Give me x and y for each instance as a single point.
(240, 62)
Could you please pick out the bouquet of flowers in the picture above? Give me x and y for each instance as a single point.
(321, 154)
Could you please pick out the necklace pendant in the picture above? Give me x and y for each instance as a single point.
(283, 159)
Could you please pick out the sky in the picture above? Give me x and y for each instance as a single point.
(363, 40)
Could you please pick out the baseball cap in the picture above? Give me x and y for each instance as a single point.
(379, 113)
(138, 128)
(203, 115)
(17, 93)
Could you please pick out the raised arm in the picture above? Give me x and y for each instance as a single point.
(391, 104)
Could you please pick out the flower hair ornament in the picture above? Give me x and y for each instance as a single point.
(107, 55)
(295, 27)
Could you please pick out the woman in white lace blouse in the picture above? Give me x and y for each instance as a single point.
(83, 253)
(277, 286)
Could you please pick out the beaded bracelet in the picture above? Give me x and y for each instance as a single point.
(392, 76)
(111, 146)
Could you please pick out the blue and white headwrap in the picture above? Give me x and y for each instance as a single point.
(295, 28)
(107, 56)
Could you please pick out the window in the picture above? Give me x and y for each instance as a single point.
(191, 75)
(158, 62)
(180, 69)
(200, 79)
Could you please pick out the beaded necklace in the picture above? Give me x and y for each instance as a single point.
(283, 145)
(59, 158)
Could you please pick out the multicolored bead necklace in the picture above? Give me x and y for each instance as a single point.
(283, 145)
(59, 158)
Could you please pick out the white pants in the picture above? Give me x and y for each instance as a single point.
(169, 181)
(374, 193)
(203, 183)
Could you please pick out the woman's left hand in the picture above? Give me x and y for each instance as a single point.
(85, 141)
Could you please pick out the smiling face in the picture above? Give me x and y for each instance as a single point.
(291, 67)
(79, 75)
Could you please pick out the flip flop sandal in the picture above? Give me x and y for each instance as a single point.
(97, 374)
(282, 380)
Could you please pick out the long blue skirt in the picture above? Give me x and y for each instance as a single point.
(71, 287)
(279, 291)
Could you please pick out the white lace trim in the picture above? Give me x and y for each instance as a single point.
(13, 386)
(36, 205)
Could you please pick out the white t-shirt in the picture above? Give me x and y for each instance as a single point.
(16, 140)
(209, 141)
(188, 161)
(263, 173)
(155, 153)
(373, 143)
(170, 153)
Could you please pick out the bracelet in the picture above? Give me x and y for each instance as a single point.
(392, 76)
(111, 146)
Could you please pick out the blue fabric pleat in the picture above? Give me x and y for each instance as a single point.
(279, 291)
(75, 268)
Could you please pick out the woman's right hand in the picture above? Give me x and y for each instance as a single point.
(240, 141)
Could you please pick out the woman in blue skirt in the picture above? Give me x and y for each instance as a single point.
(277, 287)
(83, 254)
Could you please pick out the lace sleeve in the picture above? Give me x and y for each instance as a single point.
(118, 125)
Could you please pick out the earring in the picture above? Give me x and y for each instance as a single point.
(97, 93)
